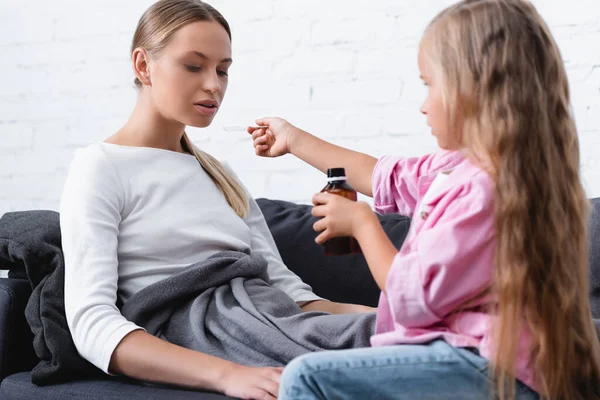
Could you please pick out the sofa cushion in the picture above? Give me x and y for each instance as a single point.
(19, 386)
(291, 226)
(16, 352)
(338, 278)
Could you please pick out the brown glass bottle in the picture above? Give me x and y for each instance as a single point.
(336, 184)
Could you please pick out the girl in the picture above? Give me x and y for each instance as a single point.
(494, 273)
(146, 203)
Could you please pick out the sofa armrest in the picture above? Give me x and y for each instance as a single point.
(16, 348)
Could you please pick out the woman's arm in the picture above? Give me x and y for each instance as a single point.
(90, 217)
(335, 308)
(280, 276)
(263, 244)
(143, 356)
(281, 138)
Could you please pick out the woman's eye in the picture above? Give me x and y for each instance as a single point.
(222, 73)
(192, 68)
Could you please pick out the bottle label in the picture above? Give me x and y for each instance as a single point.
(336, 179)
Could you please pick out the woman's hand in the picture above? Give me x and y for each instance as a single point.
(273, 137)
(332, 307)
(339, 216)
(252, 383)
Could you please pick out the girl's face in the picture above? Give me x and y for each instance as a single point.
(189, 79)
(433, 107)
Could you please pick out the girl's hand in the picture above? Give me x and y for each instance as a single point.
(252, 383)
(339, 216)
(274, 140)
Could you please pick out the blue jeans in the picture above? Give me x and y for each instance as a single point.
(430, 371)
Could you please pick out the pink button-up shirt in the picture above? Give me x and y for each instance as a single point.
(436, 287)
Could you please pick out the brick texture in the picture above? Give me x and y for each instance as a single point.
(345, 71)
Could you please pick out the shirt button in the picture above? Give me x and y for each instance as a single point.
(424, 214)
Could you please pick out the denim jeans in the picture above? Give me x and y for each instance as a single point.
(430, 371)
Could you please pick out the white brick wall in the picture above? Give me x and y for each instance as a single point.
(343, 70)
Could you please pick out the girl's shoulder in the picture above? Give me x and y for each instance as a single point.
(458, 168)
(473, 185)
(461, 180)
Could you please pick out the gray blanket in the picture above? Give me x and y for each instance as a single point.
(224, 307)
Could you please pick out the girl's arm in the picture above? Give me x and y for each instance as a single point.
(449, 262)
(281, 138)
(342, 217)
(451, 259)
(378, 249)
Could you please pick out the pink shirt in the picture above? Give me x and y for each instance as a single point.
(447, 258)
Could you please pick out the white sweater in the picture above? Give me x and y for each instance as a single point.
(131, 216)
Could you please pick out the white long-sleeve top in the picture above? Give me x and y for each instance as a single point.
(131, 216)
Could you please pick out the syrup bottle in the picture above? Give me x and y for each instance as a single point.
(336, 184)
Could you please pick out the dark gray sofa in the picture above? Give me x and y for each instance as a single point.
(345, 279)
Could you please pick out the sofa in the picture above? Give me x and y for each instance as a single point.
(341, 278)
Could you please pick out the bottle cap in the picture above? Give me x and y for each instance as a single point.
(336, 173)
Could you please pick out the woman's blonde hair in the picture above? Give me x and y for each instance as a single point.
(507, 98)
(154, 31)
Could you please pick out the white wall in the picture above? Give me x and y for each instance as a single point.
(343, 70)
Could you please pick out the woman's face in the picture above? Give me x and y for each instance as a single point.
(189, 78)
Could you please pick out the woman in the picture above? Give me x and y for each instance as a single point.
(146, 203)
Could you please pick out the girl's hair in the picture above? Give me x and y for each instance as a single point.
(153, 33)
(507, 97)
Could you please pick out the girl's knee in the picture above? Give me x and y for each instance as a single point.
(293, 384)
(297, 367)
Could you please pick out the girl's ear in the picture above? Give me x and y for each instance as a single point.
(141, 66)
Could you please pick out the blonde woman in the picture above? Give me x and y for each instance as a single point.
(489, 294)
(146, 203)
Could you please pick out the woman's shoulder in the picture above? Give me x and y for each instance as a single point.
(90, 154)
(92, 162)
(103, 155)
(91, 178)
